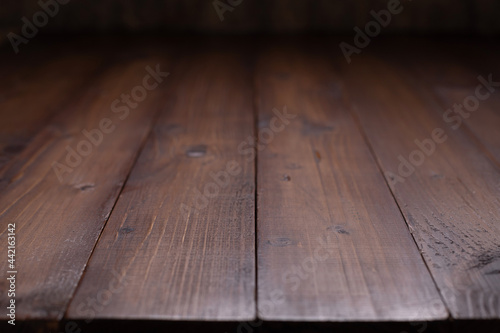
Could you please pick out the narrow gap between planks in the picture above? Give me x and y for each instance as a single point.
(377, 162)
(154, 119)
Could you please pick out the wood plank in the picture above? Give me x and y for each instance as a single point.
(451, 76)
(332, 243)
(482, 124)
(449, 195)
(58, 221)
(183, 255)
(31, 98)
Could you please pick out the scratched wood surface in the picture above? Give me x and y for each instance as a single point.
(59, 216)
(448, 190)
(314, 222)
(181, 238)
(332, 243)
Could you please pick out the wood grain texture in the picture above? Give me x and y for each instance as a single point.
(332, 243)
(449, 195)
(451, 77)
(332, 233)
(33, 94)
(58, 223)
(181, 254)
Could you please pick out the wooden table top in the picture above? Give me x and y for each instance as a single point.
(228, 180)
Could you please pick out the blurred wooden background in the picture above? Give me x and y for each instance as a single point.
(257, 16)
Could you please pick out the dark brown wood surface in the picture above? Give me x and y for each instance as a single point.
(332, 243)
(451, 77)
(449, 194)
(181, 237)
(33, 93)
(59, 218)
(313, 221)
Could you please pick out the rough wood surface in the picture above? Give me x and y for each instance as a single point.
(342, 234)
(448, 191)
(58, 218)
(332, 243)
(181, 237)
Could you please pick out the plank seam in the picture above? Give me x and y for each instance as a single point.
(256, 168)
(154, 120)
(74, 94)
(437, 104)
(377, 162)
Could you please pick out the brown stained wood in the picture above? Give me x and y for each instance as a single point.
(181, 256)
(30, 98)
(332, 243)
(449, 196)
(58, 222)
(481, 122)
(451, 77)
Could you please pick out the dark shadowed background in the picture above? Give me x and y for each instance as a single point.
(257, 16)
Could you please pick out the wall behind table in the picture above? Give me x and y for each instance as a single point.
(254, 16)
